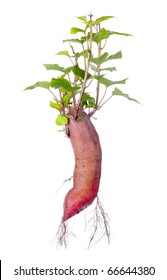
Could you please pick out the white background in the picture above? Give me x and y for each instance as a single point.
(35, 159)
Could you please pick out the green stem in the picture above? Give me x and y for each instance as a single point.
(54, 96)
(87, 68)
(106, 100)
(69, 77)
(103, 96)
(71, 59)
(75, 78)
(98, 70)
(98, 73)
(91, 80)
(104, 44)
(84, 57)
(63, 109)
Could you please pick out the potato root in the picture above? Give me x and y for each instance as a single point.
(87, 172)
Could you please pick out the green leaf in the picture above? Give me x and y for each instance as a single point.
(80, 117)
(104, 58)
(86, 96)
(88, 100)
(58, 68)
(54, 67)
(62, 83)
(87, 25)
(99, 36)
(79, 41)
(45, 85)
(66, 98)
(115, 56)
(98, 20)
(83, 53)
(101, 59)
(83, 18)
(61, 120)
(63, 53)
(94, 68)
(62, 76)
(118, 33)
(118, 92)
(107, 82)
(68, 69)
(111, 69)
(80, 72)
(75, 30)
(56, 106)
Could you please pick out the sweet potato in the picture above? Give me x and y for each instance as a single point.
(87, 172)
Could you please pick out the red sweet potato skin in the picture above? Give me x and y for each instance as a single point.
(87, 172)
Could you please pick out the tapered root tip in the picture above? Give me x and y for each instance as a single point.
(76, 202)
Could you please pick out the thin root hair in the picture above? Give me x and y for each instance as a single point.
(64, 182)
(62, 234)
(100, 221)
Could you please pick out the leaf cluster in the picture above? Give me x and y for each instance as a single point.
(71, 86)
